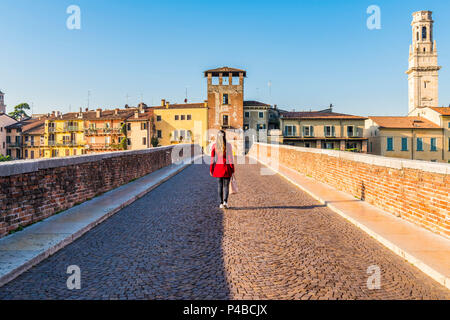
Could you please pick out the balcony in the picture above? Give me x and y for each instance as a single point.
(13, 145)
(65, 144)
(102, 131)
(72, 129)
(102, 146)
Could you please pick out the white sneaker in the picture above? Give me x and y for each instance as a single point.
(225, 205)
(221, 206)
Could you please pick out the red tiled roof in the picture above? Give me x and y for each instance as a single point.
(225, 70)
(319, 115)
(404, 123)
(445, 111)
(147, 115)
(36, 127)
(181, 106)
(122, 114)
(255, 104)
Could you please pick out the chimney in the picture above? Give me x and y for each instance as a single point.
(163, 102)
(98, 113)
(167, 104)
(87, 109)
(136, 114)
(53, 113)
(116, 111)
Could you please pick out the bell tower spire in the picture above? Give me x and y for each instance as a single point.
(423, 72)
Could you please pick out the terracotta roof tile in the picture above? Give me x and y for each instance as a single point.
(445, 111)
(181, 106)
(255, 104)
(404, 123)
(319, 115)
(225, 70)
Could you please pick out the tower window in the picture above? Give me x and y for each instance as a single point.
(425, 84)
(225, 99)
(424, 33)
(225, 120)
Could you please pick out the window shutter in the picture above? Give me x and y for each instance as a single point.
(311, 131)
(333, 131)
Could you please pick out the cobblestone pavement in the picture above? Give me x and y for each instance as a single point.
(275, 242)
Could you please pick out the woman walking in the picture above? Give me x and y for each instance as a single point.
(222, 166)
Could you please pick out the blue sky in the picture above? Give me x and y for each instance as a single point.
(313, 52)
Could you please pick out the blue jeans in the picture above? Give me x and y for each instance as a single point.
(223, 185)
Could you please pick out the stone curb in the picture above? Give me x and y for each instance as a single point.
(421, 265)
(52, 250)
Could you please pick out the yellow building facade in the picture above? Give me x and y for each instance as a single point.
(181, 123)
(64, 135)
(414, 138)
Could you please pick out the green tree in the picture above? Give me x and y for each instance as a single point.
(3, 158)
(154, 142)
(19, 111)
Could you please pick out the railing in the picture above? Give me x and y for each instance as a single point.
(65, 144)
(14, 145)
(102, 146)
(72, 128)
(102, 131)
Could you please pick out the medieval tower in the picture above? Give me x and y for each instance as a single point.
(225, 98)
(423, 72)
(2, 103)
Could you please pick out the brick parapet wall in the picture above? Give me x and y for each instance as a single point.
(34, 190)
(416, 191)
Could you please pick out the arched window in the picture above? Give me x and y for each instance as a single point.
(424, 33)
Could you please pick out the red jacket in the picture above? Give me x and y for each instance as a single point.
(224, 165)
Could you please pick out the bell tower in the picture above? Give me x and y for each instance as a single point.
(423, 72)
(225, 98)
(2, 103)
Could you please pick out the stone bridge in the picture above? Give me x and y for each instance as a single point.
(299, 233)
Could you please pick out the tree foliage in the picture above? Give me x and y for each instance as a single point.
(3, 158)
(19, 111)
(154, 142)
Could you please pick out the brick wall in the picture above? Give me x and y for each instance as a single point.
(34, 190)
(416, 191)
